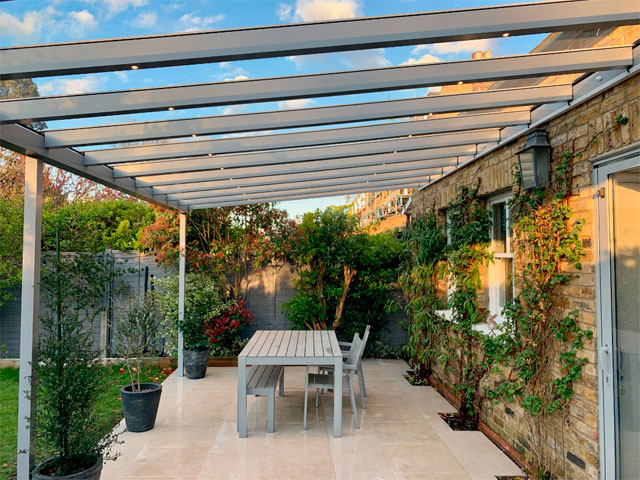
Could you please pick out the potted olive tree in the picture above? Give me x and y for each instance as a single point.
(73, 437)
(136, 328)
(203, 301)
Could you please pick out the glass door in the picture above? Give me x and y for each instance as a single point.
(619, 298)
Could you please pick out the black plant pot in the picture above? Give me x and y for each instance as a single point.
(141, 408)
(195, 363)
(91, 473)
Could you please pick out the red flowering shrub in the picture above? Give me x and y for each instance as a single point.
(224, 331)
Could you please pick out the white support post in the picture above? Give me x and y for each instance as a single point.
(182, 272)
(29, 313)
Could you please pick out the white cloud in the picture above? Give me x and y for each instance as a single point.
(285, 12)
(190, 22)
(236, 78)
(233, 109)
(116, 6)
(122, 76)
(343, 60)
(237, 73)
(66, 86)
(456, 48)
(145, 20)
(366, 58)
(223, 65)
(82, 22)
(30, 24)
(295, 103)
(426, 58)
(47, 22)
(311, 10)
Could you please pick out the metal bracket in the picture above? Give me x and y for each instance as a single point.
(599, 193)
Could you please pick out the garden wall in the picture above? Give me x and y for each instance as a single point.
(576, 439)
(267, 291)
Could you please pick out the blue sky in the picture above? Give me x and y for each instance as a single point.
(25, 22)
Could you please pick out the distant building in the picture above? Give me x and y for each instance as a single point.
(383, 207)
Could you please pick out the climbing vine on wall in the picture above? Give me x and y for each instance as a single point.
(464, 354)
(544, 338)
(423, 247)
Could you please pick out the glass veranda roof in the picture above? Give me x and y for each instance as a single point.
(205, 161)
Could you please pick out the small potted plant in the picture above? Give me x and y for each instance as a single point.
(73, 435)
(137, 333)
(224, 330)
(203, 301)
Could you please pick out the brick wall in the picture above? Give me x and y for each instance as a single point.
(579, 433)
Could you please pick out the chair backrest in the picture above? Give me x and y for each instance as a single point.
(354, 351)
(363, 344)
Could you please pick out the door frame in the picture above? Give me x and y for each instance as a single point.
(604, 166)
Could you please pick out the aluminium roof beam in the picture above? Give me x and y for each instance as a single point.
(313, 37)
(383, 160)
(309, 185)
(144, 153)
(307, 170)
(283, 198)
(351, 154)
(23, 140)
(307, 117)
(332, 176)
(336, 190)
(315, 85)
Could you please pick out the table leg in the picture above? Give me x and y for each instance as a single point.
(337, 399)
(242, 397)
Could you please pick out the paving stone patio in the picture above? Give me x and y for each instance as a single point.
(401, 435)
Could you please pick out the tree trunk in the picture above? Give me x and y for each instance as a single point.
(349, 275)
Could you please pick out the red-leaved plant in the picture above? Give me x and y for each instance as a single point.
(224, 331)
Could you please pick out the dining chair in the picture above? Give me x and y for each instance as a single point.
(346, 346)
(325, 380)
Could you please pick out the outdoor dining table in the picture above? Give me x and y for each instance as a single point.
(291, 347)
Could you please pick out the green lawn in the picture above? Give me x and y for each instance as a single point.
(109, 407)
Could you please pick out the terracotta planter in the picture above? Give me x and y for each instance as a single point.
(91, 473)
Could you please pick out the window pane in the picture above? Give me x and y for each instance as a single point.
(499, 218)
(504, 286)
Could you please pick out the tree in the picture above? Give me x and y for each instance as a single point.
(337, 261)
(229, 242)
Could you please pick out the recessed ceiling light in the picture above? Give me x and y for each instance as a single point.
(221, 168)
(134, 67)
(232, 179)
(171, 109)
(460, 82)
(193, 135)
(210, 154)
(505, 34)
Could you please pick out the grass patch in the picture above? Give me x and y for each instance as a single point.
(108, 405)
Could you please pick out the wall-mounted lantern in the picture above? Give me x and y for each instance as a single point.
(535, 161)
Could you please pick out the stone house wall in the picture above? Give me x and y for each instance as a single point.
(575, 128)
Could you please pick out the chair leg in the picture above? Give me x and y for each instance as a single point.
(361, 376)
(306, 397)
(270, 410)
(281, 386)
(353, 400)
(363, 392)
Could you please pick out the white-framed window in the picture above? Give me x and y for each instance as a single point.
(500, 285)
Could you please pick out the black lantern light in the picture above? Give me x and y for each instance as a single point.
(535, 161)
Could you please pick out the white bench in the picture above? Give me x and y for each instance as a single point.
(261, 380)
